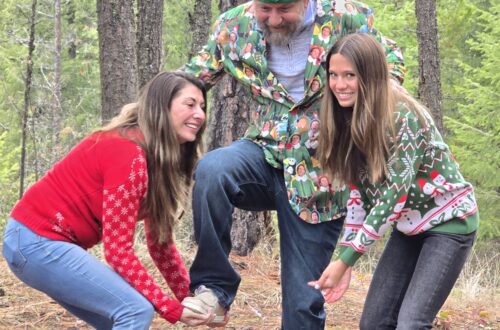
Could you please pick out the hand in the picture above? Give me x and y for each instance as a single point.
(334, 281)
(194, 319)
(220, 324)
(334, 294)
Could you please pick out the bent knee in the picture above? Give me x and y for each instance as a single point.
(138, 313)
(216, 164)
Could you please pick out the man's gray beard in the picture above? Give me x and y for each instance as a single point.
(277, 38)
(281, 38)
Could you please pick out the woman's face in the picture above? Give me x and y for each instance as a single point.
(187, 114)
(342, 80)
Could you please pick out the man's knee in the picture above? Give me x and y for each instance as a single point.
(216, 164)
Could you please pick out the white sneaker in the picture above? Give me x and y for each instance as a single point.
(204, 302)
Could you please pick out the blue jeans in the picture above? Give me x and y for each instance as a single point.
(413, 278)
(238, 175)
(79, 282)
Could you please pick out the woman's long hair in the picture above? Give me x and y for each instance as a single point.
(170, 164)
(352, 142)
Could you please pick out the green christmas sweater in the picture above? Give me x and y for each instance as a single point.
(424, 191)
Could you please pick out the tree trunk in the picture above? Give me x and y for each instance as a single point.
(56, 94)
(117, 55)
(229, 118)
(149, 39)
(27, 96)
(199, 20)
(70, 18)
(429, 85)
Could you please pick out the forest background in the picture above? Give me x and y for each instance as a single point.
(65, 95)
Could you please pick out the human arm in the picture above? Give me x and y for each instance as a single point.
(388, 198)
(169, 262)
(124, 185)
(334, 281)
(207, 64)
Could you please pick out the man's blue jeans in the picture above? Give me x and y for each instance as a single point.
(238, 175)
(413, 278)
(75, 279)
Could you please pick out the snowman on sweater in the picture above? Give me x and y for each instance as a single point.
(405, 218)
(355, 214)
(431, 189)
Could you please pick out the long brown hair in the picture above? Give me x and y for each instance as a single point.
(354, 141)
(170, 164)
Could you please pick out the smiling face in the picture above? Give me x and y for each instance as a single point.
(343, 80)
(187, 113)
(280, 20)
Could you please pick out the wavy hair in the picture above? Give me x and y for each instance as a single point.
(170, 164)
(352, 142)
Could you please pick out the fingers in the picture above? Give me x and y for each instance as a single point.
(195, 319)
(220, 324)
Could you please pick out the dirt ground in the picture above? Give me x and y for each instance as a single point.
(257, 305)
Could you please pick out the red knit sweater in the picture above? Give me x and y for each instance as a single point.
(93, 195)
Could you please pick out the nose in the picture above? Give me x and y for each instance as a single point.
(340, 83)
(199, 114)
(274, 19)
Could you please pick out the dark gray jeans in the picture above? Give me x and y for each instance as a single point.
(413, 278)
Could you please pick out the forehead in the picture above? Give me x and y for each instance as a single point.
(277, 5)
(339, 61)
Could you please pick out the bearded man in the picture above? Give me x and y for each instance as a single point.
(249, 173)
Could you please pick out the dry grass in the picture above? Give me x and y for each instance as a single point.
(471, 306)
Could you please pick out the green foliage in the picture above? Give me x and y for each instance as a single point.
(474, 135)
(79, 83)
(176, 33)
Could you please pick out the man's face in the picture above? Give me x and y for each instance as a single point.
(280, 20)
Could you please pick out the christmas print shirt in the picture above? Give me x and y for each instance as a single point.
(93, 195)
(282, 125)
(423, 191)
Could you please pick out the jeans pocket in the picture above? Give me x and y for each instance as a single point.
(11, 251)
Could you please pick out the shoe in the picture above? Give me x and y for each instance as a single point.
(205, 301)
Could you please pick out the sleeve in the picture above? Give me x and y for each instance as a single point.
(407, 152)
(125, 184)
(207, 64)
(169, 262)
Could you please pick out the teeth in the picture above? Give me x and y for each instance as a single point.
(192, 126)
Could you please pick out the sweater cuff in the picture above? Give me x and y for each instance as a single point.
(173, 313)
(349, 255)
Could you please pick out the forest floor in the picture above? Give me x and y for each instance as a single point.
(257, 305)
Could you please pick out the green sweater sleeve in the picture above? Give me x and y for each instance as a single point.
(384, 201)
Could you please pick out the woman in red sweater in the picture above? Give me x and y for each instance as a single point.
(138, 166)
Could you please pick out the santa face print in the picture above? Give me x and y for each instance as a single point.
(323, 182)
(301, 170)
(315, 85)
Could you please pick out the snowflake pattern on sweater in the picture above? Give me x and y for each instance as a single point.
(423, 190)
(120, 213)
